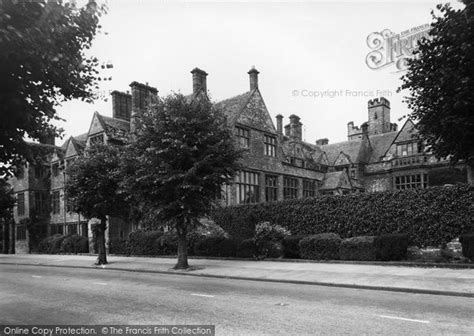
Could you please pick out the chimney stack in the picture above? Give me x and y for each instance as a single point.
(121, 105)
(142, 97)
(279, 119)
(322, 142)
(365, 130)
(199, 80)
(253, 76)
(296, 127)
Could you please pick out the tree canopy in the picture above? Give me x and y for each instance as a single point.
(93, 188)
(184, 154)
(440, 81)
(42, 63)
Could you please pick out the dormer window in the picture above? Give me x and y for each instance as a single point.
(243, 137)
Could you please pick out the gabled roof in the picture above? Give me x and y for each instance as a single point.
(380, 144)
(232, 107)
(112, 124)
(335, 180)
(352, 149)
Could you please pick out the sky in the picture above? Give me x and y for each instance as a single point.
(311, 56)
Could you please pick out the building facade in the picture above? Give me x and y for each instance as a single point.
(277, 163)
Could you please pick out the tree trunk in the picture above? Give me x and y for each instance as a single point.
(5, 235)
(11, 249)
(102, 257)
(470, 177)
(182, 250)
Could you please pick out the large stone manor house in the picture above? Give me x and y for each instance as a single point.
(277, 163)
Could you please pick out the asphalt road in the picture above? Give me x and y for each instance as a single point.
(50, 295)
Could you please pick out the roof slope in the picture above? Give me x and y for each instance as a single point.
(232, 107)
(351, 148)
(380, 144)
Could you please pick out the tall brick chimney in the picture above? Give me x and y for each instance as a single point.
(253, 76)
(296, 127)
(199, 80)
(121, 105)
(142, 97)
(279, 119)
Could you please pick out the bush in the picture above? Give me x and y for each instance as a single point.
(324, 246)
(291, 246)
(467, 242)
(143, 242)
(118, 246)
(74, 244)
(216, 247)
(357, 248)
(168, 243)
(268, 238)
(431, 217)
(246, 249)
(391, 247)
(51, 244)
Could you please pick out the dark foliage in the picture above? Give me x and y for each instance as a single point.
(291, 246)
(42, 63)
(247, 249)
(440, 81)
(391, 247)
(216, 247)
(118, 246)
(144, 243)
(51, 244)
(74, 244)
(357, 248)
(430, 217)
(324, 246)
(467, 242)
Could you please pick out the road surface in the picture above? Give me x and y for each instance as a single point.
(52, 295)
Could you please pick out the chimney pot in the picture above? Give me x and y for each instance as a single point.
(253, 76)
(199, 80)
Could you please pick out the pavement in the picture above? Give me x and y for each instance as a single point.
(437, 281)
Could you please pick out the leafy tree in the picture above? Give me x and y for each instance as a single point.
(93, 188)
(42, 63)
(440, 81)
(7, 201)
(184, 153)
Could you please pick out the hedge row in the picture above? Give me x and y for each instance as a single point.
(430, 217)
(63, 244)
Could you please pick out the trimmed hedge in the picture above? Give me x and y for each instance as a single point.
(216, 247)
(291, 246)
(247, 249)
(357, 248)
(51, 244)
(324, 246)
(430, 217)
(143, 242)
(118, 246)
(467, 242)
(391, 247)
(74, 244)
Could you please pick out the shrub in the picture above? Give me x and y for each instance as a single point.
(216, 247)
(143, 242)
(74, 244)
(357, 248)
(51, 244)
(168, 243)
(246, 249)
(118, 246)
(467, 242)
(431, 217)
(391, 247)
(291, 246)
(324, 246)
(268, 238)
